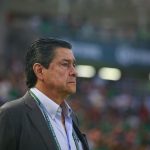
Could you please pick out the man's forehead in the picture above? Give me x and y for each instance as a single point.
(64, 54)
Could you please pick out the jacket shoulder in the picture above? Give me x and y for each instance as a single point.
(12, 105)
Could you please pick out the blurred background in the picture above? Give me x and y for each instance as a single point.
(111, 42)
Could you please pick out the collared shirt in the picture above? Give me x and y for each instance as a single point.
(53, 110)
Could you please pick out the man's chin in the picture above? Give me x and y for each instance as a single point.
(72, 91)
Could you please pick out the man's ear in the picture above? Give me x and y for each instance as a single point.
(38, 70)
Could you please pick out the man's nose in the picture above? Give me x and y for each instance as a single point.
(73, 71)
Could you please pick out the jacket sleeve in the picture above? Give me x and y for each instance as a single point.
(7, 131)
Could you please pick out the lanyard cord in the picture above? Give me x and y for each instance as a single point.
(75, 139)
(50, 127)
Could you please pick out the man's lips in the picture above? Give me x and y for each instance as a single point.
(74, 82)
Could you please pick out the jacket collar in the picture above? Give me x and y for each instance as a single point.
(37, 119)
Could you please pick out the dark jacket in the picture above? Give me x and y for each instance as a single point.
(23, 127)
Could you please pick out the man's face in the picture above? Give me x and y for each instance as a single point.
(61, 74)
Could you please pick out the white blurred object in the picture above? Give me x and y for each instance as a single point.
(85, 71)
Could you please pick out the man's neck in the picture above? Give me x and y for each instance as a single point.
(57, 98)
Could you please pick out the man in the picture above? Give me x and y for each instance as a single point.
(42, 119)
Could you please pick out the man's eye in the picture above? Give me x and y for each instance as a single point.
(68, 64)
(65, 64)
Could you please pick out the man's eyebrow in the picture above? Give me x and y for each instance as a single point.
(69, 60)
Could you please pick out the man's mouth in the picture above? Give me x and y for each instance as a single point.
(73, 82)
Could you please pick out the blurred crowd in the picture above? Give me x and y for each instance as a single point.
(78, 28)
(114, 115)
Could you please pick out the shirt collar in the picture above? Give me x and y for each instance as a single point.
(66, 108)
(52, 108)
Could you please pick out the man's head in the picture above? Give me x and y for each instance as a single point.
(49, 63)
